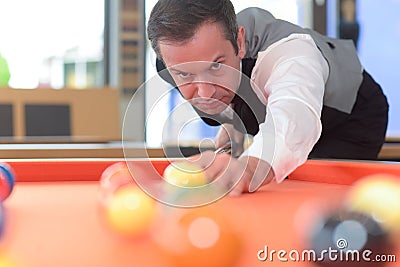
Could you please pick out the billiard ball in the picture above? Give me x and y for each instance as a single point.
(6, 261)
(7, 180)
(116, 175)
(187, 186)
(198, 237)
(113, 177)
(185, 174)
(378, 195)
(348, 238)
(130, 212)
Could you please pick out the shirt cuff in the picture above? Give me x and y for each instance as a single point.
(272, 149)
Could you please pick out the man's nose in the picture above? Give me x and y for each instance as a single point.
(205, 90)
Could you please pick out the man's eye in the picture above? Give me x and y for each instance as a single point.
(184, 75)
(216, 66)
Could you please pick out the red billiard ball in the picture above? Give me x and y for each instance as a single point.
(198, 237)
(7, 180)
(113, 177)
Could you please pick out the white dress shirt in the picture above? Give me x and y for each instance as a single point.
(289, 78)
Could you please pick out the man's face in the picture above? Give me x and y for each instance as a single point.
(205, 68)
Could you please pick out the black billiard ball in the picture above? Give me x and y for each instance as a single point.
(348, 238)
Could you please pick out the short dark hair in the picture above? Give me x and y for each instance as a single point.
(178, 20)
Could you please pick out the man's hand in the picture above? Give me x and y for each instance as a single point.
(245, 174)
(227, 133)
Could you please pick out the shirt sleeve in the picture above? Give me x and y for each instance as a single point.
(289, 78)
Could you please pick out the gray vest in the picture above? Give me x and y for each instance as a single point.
(345, 70)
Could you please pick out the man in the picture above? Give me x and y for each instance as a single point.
(308, 95)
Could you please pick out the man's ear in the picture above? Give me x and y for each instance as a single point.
(241, 42)
(163, 72)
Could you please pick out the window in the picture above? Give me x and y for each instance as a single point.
(378, 59)
(363, 21)
(55, 44)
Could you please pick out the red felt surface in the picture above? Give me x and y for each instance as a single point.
(56, 222)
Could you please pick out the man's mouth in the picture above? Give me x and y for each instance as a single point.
(210, 106)
(209, 102)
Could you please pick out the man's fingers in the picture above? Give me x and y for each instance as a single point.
(262, 173)
(204, 159)
(236, 149)
(238, 189)
(222, 137)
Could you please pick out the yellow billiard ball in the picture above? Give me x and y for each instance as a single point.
(6, 261)
(130, 211)
(379, 196)
(185, 174)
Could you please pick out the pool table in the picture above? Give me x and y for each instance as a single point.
(52, 217)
